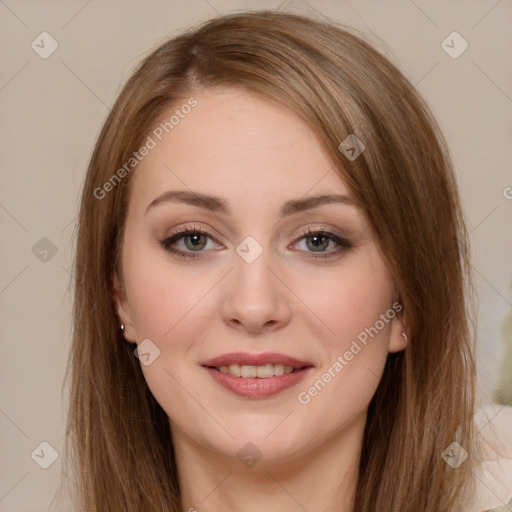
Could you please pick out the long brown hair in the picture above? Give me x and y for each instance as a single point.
(119, 440)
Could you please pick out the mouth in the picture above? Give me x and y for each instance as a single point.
(266, 371)
(257, 376)
(261, 366)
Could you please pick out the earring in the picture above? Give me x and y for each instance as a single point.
(128, 343)
(405, 336)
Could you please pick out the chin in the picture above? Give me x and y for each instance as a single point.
(262, 440)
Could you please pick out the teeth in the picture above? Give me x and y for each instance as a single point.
(279, 369)
(262, 372)
(248, 371)
(234, 369)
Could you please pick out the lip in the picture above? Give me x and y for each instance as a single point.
(256, 388)
(244, 358)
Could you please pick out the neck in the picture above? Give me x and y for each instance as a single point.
(323, 479)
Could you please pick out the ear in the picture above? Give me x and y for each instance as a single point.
(397, 340)
(123, 310)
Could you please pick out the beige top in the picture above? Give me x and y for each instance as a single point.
(494, 478)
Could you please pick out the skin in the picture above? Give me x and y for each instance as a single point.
(256, 155)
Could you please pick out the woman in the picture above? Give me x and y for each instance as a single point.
(271, 284)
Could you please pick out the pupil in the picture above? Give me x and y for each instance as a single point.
(316, 241)
(196, 239)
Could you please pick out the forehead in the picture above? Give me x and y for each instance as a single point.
(236, 145)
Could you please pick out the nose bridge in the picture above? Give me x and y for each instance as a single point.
(251, 272)
(255, 299)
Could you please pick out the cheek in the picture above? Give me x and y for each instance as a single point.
(355, 316)
(342, 304)
(171, 307)
(163, 297)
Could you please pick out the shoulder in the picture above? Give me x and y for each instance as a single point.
(494, 475)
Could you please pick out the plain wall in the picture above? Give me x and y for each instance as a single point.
(51, 111)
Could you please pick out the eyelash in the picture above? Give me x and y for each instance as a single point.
(343, 243)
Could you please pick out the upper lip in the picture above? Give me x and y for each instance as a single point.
(243, 358)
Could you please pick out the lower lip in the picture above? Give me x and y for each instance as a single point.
(255, 388)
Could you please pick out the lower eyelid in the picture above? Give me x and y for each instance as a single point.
(338, 250)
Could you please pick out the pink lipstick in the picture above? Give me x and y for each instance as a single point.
(256, 376)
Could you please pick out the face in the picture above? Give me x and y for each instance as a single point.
(269, 314)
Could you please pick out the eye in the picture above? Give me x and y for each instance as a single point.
(193, 241)
(317, 241)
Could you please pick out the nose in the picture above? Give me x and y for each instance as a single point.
(255, 299)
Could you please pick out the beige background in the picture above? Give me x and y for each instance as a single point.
(52, 109)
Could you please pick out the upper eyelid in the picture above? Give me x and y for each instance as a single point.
(193, 228)
(185, 231)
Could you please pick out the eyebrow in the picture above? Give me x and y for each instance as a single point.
(219, 205)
